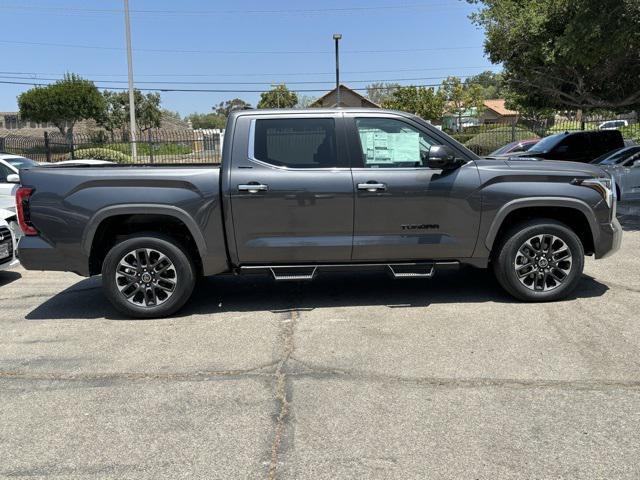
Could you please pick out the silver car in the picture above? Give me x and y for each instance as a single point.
(624, 165)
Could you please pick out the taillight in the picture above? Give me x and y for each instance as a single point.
(22, 208)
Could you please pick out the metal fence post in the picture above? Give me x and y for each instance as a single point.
(150, 138)
(513, 132)
(47, 147)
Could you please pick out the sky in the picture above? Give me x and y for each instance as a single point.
(236, 45)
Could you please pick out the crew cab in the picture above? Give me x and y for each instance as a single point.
(303, 191)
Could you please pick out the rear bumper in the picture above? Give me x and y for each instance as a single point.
(609, 240)
(35, 253)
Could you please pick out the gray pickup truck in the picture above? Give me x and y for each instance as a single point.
(303, 191)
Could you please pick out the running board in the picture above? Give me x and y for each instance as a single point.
(308, 272)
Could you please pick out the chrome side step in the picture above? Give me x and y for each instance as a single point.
(308, 272)
(426, 270)
(283, 274)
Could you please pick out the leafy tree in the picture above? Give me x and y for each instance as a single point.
(492, 84)
(566, 54)
(115, 115)
(207, 120)
(305, 101)
(379, 92)
(278, 97)
(63, 103)
(425, 102)
(461, 98)
(225, 108)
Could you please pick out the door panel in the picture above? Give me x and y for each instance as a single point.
(409, 213)
(295, 215)
(423, 214)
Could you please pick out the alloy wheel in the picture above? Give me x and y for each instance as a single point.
(146, 277)
(543, 262)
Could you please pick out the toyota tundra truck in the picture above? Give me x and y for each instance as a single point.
(300, 192)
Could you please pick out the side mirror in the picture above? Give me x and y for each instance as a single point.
(442, 157)
(636, 164)
(13, 178)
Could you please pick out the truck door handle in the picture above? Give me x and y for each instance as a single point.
(253, 187)
(372, 187)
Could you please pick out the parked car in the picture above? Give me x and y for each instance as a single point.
(9, 168)
(515, 147)
(580, 147)
(624, 166)
(613, 124)
(7, 239)
(303, 191)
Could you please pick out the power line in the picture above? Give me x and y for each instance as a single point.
(209, 90)
(254, 74)
(236, 52)
(301, 11)
(161, 82)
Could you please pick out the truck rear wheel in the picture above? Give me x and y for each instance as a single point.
(539, 261)
(148, 276)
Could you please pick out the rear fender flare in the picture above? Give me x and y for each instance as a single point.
(142, 209)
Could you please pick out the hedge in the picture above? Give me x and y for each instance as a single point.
(102, 154)
(487, 142)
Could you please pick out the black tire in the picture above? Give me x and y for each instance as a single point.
(180, 277)
(508, 253)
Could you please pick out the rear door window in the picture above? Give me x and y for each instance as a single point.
(296, 142)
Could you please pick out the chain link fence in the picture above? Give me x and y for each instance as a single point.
(153, 146)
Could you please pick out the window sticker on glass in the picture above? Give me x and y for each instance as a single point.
(389, 148)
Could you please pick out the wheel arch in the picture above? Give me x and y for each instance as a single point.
(189, 229)
(575, 213)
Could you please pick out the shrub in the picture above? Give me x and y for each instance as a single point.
(631, 132)
(486, 142)
(102, 154)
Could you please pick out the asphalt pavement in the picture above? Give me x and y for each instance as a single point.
(350, 376)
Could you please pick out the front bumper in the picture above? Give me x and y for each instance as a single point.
(609, 239)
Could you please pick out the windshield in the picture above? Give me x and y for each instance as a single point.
(618, 156)
(20, 162)
(547, 143)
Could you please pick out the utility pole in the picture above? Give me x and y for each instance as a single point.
(337, 37)
(132, 102)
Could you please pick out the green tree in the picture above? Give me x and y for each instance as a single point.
(425, 102)
(461, 98)
(278, 97)
(63, 103)
(115, 115)
(207, 120)
(492, 84)
(225, 108)
(566, 54)
(379, 92)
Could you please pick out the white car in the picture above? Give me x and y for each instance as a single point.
(9, 179)
(8, 239)
(613, 124)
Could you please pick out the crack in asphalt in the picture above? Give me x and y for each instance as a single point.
(281, 391)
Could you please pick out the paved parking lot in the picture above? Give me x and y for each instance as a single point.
(351, 376)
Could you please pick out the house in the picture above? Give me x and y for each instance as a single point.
(496, 112)
(348, 98)
(493, 112)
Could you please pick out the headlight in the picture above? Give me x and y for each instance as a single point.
(605, 186)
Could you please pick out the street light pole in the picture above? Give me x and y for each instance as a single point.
(132, 102)
(337, 37)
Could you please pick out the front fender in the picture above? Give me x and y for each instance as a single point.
(517, 204)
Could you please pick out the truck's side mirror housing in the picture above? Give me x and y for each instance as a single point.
(13, 178)
(442, 157)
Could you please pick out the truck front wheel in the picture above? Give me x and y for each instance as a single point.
(539, 261)
(148, 276)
